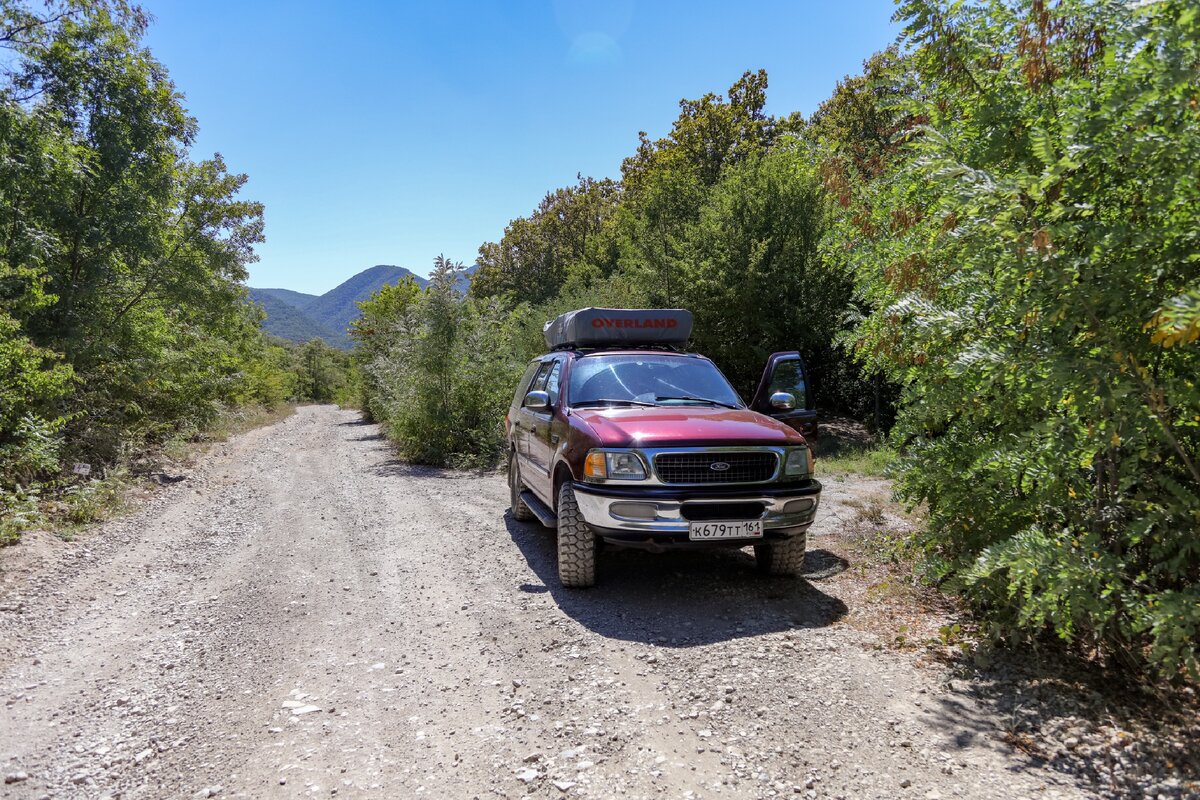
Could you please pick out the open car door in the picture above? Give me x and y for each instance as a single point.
(785, 375)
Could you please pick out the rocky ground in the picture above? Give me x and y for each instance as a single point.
(304, 616)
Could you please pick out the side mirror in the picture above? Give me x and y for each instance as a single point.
(782, 401)
(538, 401)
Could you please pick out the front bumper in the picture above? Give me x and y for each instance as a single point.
(673, 507)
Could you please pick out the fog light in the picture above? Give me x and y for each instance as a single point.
(798, 506)
(645, 511)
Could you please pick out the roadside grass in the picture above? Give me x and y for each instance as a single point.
(184, 447)
(64, 505)
(883, 581)
(871, 462)
(846, 447)
(67, 504)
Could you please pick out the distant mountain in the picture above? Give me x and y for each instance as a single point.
(464, 280)
(298, 317)
(288, 322)
(337, 308)
(298, 300)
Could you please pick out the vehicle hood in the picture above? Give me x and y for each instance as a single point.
(684, 427)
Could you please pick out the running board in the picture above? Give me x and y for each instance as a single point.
(540, 510)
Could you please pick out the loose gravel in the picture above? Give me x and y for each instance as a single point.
(304, 616)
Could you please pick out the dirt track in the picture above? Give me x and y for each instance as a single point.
(304, 616)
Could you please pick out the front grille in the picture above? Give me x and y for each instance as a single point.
(698, 467)
(703, 512)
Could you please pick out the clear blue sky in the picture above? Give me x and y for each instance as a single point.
(390, 132)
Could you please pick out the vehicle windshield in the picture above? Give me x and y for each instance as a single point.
(649, 379)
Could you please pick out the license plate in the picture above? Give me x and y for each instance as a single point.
(709, 531)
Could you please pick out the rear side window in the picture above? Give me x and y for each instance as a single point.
(523, 384)
(539, 382)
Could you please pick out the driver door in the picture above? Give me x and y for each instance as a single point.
(543, 433)
(786, 372)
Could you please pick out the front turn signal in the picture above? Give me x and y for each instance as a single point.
(594, 468)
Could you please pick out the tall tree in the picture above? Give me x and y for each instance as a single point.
(667, 181)
(568, 231)
(140, 251)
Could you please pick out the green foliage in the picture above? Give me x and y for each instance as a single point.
(31, 379)
(19, 511)
(268, 378)
(122, 320)
(1029, 257)
(723, 216)
(438, 369)
(747, 267)
(324, 374)
(571, 229)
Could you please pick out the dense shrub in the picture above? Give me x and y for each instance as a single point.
(438, 370)
(1031, 263)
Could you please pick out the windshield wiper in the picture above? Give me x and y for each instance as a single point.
(698, 400)
(609, 402)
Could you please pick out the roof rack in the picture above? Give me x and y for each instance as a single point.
(665, 348)
(610, 328)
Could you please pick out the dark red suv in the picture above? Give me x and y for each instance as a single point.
(618, 435)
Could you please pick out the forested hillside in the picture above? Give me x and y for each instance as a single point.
(297, 300)
(299, 317)
(289, 322)
(122, 315)
(990, 236)
(338, 307)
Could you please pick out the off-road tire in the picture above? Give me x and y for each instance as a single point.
(784, 557)
(576, 543)
(520, 511)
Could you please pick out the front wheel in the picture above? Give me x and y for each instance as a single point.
(576, 543)
(785, 557)
(520, 511)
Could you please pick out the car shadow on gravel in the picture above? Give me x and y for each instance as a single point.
(679, 599)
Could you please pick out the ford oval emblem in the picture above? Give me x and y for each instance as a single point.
(718, 466)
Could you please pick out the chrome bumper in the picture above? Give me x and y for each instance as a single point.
(597, 511)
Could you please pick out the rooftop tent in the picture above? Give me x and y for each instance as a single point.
(616, 327)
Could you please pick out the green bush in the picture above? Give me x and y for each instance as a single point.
(439, 371)
(1033, 266)
(31, 380)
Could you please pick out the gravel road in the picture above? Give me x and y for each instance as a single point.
(305, 616)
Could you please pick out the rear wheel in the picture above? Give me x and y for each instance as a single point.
(785, 557)
(576, 543)
(520, 511)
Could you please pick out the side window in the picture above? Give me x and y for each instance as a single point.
(552, 382)
(524, 385)
(789, 377)
(539, 381)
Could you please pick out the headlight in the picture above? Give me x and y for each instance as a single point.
(605, 465)
(797, 462)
